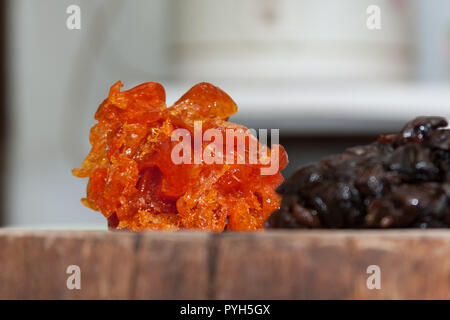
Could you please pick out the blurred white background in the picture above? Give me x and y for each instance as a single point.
(309, 67)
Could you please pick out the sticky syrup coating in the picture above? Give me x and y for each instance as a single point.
(135, 184)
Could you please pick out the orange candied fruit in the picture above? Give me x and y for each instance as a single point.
(136, 185)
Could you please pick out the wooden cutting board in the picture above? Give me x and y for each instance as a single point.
(413, 264)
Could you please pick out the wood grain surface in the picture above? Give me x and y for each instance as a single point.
(414, 264)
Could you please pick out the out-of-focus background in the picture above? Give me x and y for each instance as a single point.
(311, 68)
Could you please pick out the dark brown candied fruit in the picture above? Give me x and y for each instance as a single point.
(135, 184)
(401, 180)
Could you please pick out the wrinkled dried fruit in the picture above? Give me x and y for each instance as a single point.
(134, 182)
(402, 180)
